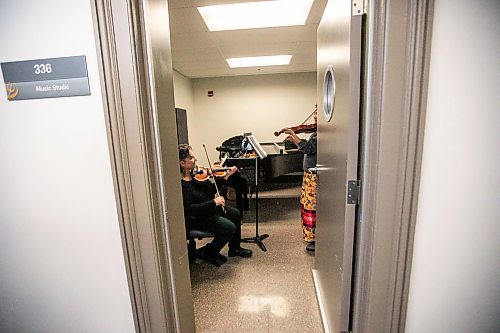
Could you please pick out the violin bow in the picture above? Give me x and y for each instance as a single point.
(312, 113)
(212, 171)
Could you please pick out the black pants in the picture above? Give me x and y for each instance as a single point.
(227, 229)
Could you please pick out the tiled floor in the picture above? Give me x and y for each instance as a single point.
(271, 292)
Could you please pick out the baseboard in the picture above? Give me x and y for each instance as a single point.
(319, 298)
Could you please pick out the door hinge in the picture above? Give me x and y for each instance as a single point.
(353, 192)
(358, 7)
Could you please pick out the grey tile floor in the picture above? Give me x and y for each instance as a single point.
(271, 292)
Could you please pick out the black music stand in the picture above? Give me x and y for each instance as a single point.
(261, 153)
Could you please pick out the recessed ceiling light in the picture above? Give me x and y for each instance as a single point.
(259, 61)
(251, 15)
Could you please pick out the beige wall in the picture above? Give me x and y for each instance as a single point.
(455, 273)
(259, 104)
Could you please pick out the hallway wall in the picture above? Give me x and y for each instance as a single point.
(62, 266)
(454, 284)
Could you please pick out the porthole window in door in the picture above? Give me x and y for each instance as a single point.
(328, 93)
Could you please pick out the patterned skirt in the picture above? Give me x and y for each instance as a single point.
(308, 206)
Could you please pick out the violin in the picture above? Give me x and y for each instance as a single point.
(202, 174)
(310, 128)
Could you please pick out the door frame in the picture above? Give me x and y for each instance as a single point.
(397, 71)
(133, 42)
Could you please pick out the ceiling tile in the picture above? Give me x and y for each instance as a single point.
(196, 52)
(192, 40)
(257, 49)
(210, 56)
(316, 12)
(268, 35)
(183, 20)
(179, 4)
(200, 3)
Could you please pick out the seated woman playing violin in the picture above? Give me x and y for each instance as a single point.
(204, 210)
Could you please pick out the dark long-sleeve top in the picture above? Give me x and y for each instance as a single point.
(199, 204)
(308, 148)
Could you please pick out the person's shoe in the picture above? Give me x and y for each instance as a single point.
(311, 246)
(222, 258)
(207, 256)
(240, 252)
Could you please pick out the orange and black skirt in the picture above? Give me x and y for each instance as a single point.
(308, 206)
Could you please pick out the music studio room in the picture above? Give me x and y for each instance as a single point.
(218, 106)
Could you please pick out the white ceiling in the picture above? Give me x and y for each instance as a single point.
(197, 52)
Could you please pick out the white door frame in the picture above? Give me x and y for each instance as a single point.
(398, 46)
(133, 39)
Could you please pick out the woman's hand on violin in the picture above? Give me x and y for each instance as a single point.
(219, 201)
(231, 171)
(291, 136)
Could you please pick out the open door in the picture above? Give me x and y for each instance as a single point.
(339, 82)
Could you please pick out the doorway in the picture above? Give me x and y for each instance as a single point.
(145, 98)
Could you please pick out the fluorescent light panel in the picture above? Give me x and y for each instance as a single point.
(251, 15)
(259, 61)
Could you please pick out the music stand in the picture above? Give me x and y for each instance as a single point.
(261, 153)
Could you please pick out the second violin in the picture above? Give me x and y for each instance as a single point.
(302, 128)
(310, 128)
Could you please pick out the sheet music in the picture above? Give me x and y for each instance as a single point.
(256, 145)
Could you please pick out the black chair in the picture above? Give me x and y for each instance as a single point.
(192, 236)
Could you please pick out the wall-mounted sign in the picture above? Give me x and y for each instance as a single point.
(46, 78)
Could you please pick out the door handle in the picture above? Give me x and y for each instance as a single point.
(317, 168)
(313, 170)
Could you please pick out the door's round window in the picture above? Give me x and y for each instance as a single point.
(328, 93)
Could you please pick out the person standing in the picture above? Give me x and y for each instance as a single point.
(309, 186)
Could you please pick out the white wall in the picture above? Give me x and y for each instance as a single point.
(455, 280)
(260, 104)
(183, 92)
(62, 266)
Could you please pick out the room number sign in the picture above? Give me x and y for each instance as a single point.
(46, 78)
